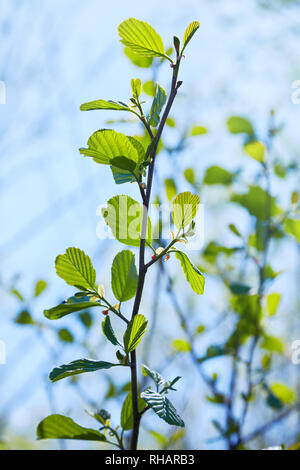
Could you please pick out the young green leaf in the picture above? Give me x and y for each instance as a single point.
(181, 345)
(124, 276)
(123, 169)
(273, 301)
(189, 33)
(217, 175)
(292, 227)
(158, 103)
(102, 104)
(79, 366)
(65, 335)
(284, 393)
(105, 145)
(149, 88)
(141, 38)
(185, 207)
(68, 307)
(136, 87)
(124, 217)
(109, 332)
(160, 439)
(192, 273)
(39, 287)
(171, 188)
(198, 130)
(126, 413)
(258, 202)
(162, 407)
(189, 175)
(272, 344)
(240, 125)
(60, 427)
(234, 230)
(256, 150)
(76, 268)
(170, 122)
(176, 43)
(24, 318)
(134, 333)
(138, 60)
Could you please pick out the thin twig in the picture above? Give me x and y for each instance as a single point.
(142, 267)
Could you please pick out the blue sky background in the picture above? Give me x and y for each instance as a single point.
(56, 55)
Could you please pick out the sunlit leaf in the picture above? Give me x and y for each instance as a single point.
(160, 438)
(17, 293)
(124, 217)
(107, 146)
(138, 60)
(256, 150)
(109, 332)
(258, 202)
(272, 344)
(124, 276)
(134, 333)
(292, 227)
(185, 207)
(60, 427)
(198, 130)
(171, 188)
(189, 175)
(126, 413)
(189, 33)
(285, 394)
(273, 301)
(149, 88)
(181, 345)
(170, 122)
(102, 104)
(217, 175)
(240, 125)
(39, 287)
(76, 268)
(191, 272)
(136, 87)
(141, 38)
